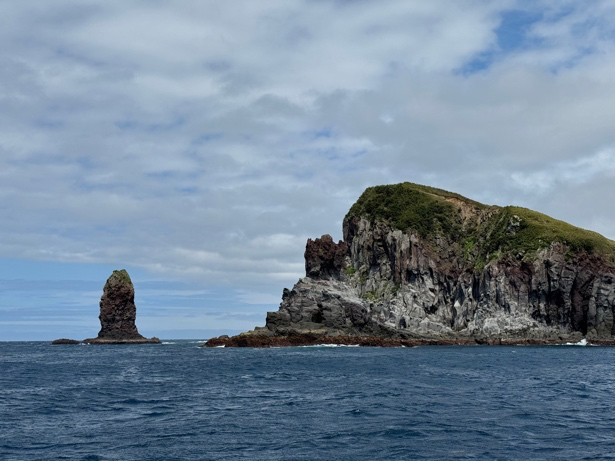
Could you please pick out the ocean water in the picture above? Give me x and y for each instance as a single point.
(178, 401)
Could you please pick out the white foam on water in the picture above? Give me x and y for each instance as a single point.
(583, 342)
(167, 342)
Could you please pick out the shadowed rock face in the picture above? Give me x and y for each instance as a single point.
(118, 312)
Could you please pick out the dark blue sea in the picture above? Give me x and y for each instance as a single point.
(178, 401)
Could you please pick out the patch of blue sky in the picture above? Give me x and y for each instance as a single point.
(513, 34)
(49, 124)
(254, 318)
(162, 175)
(514, 30)
(133, 125)
(176, 301)
(85, 184)
(358, 154)
(171, 183)
(593, 27)
(116, 228)
(336, 158)
(42, 158)
(350, 162)
(87, 162)
(333, 155)
(29, 286)
(126, 125)
(44, 312)
(323, 133)
(175, 308)
(166, 285)
(48, 310)
(175, 123)
(187, 190)
(63, 53)
(303, 174)
(572, 61)
(217, 65)
(206, 138)
(174, 175)
(32, 270)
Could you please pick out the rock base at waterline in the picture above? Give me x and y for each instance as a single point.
(261, 341)
(153, 340)
(65, 341)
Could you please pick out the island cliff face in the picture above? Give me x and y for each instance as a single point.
(118, 313)
(420, 264)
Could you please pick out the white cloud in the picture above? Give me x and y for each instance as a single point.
(574, 172)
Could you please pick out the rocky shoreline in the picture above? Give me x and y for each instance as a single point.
(152, 340)
(266, 341)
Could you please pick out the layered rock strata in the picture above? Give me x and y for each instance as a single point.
(431, 266)
(118, 313)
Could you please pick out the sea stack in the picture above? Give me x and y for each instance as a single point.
(118, 313)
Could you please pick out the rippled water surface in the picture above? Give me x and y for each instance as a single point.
(178, 401)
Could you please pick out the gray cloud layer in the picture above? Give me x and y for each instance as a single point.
(208, 140)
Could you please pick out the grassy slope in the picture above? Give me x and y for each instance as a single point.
(427, 211)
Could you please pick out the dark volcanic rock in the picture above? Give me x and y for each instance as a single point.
(324, 258)
(310, 339)
(118, 313)
(117, 308)
(262, 341)
(65, 341)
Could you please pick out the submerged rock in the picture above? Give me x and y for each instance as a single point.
(118, 313)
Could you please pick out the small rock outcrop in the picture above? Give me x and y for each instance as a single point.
(324, 259)
(420, 265)
(65, 341)
(118, 313)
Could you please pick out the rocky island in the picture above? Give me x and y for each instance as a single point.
(118, 313)
(420, 265)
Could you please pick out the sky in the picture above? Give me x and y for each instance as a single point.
(199, 144)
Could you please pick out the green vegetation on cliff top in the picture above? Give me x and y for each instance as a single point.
(481, 231)
(121, 276)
